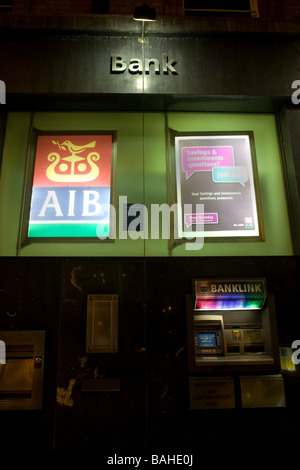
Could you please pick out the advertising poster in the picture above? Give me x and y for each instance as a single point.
(71, 190)
(217, 187)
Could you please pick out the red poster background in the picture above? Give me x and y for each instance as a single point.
(45, 146)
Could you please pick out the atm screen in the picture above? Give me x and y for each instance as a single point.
(207, 340)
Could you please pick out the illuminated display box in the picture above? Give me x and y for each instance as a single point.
(216, 186)
(230, 294)
(69, 189)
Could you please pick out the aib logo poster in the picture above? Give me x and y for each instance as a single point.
(71, 190)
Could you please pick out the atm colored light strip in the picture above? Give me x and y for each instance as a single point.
(233, 304)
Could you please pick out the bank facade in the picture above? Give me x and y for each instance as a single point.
(106, 77)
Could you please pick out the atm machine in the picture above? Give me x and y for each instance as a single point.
(233, 351)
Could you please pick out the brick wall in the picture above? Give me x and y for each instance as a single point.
(21, 7)
(81, 7)
(272, 9)
(291, 8)
(52, 7)
(168, 8)
(285, 9)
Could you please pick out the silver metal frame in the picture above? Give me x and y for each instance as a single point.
(97, 320)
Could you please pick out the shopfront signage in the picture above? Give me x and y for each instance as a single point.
(216, 175)
(72, 185)
(242, 294)
(120, 63)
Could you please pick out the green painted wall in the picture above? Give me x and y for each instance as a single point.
(141, 177)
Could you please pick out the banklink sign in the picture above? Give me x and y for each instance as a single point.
(241, 294)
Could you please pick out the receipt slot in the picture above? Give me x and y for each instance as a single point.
(231, 331)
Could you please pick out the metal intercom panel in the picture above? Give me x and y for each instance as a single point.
(102, 323)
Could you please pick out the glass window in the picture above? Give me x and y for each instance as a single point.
(217, 8)
(6, 5)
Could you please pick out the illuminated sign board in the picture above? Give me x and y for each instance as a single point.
(72, 185)
(216, 181)
(239, 294)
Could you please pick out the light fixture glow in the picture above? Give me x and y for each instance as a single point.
(144, 13)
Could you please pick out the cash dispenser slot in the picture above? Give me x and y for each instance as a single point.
(21, 372)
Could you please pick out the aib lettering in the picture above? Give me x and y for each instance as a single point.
(119, 64)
